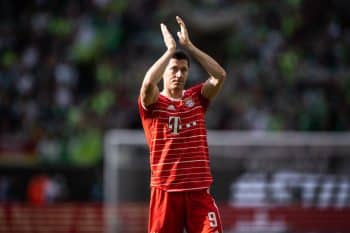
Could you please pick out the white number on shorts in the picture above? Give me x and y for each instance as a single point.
(212, 219)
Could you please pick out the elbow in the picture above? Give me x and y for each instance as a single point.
(219, 78)
(222, 75)
(146, 89)
(146, 84)
(148, 93)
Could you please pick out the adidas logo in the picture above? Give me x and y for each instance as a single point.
(171, 107)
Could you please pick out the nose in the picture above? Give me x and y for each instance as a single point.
(178, 74)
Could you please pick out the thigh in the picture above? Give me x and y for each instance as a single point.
(202, 213)
(166, 212)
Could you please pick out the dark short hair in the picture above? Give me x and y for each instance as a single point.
(181, 55)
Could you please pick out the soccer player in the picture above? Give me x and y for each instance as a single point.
(175, 131)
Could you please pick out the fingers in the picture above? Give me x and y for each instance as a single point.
(179, 20)
(181, 24)
(168, 38)
(164, 29)
(179, 34)
(182, 34)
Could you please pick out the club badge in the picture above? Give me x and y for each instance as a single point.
(189, 102)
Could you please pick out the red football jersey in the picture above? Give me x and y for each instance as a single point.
(177, 138)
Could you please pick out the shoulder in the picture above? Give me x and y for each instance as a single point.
(194, 89)
(148, 111)
(196, 93)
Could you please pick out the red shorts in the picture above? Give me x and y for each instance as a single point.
(172, 212)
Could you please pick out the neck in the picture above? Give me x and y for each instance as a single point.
(174, 93)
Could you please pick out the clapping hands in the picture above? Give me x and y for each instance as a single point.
(182, 35)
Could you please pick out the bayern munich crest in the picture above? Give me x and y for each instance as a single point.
(189, 102)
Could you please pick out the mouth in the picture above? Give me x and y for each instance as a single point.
(177, 82)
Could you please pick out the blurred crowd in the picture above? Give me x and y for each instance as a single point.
(70, 70)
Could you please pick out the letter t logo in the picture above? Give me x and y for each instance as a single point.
(174, 124)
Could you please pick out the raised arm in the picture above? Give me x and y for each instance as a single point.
(217, 74)
(149, 91)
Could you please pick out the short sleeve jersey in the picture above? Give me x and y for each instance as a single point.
(177, 139)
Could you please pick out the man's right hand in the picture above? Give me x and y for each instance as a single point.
(168, 38)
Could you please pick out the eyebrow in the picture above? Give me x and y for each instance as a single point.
(178, 66)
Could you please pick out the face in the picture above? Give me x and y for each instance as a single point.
(175, 74)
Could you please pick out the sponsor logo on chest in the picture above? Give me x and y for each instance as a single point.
(174, 122)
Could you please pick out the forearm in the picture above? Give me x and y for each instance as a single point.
(208, 63)
(155, 72)
(149, 90)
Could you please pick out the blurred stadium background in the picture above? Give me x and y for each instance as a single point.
(70, 72)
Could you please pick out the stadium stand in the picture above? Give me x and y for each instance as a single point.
(71, 70)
